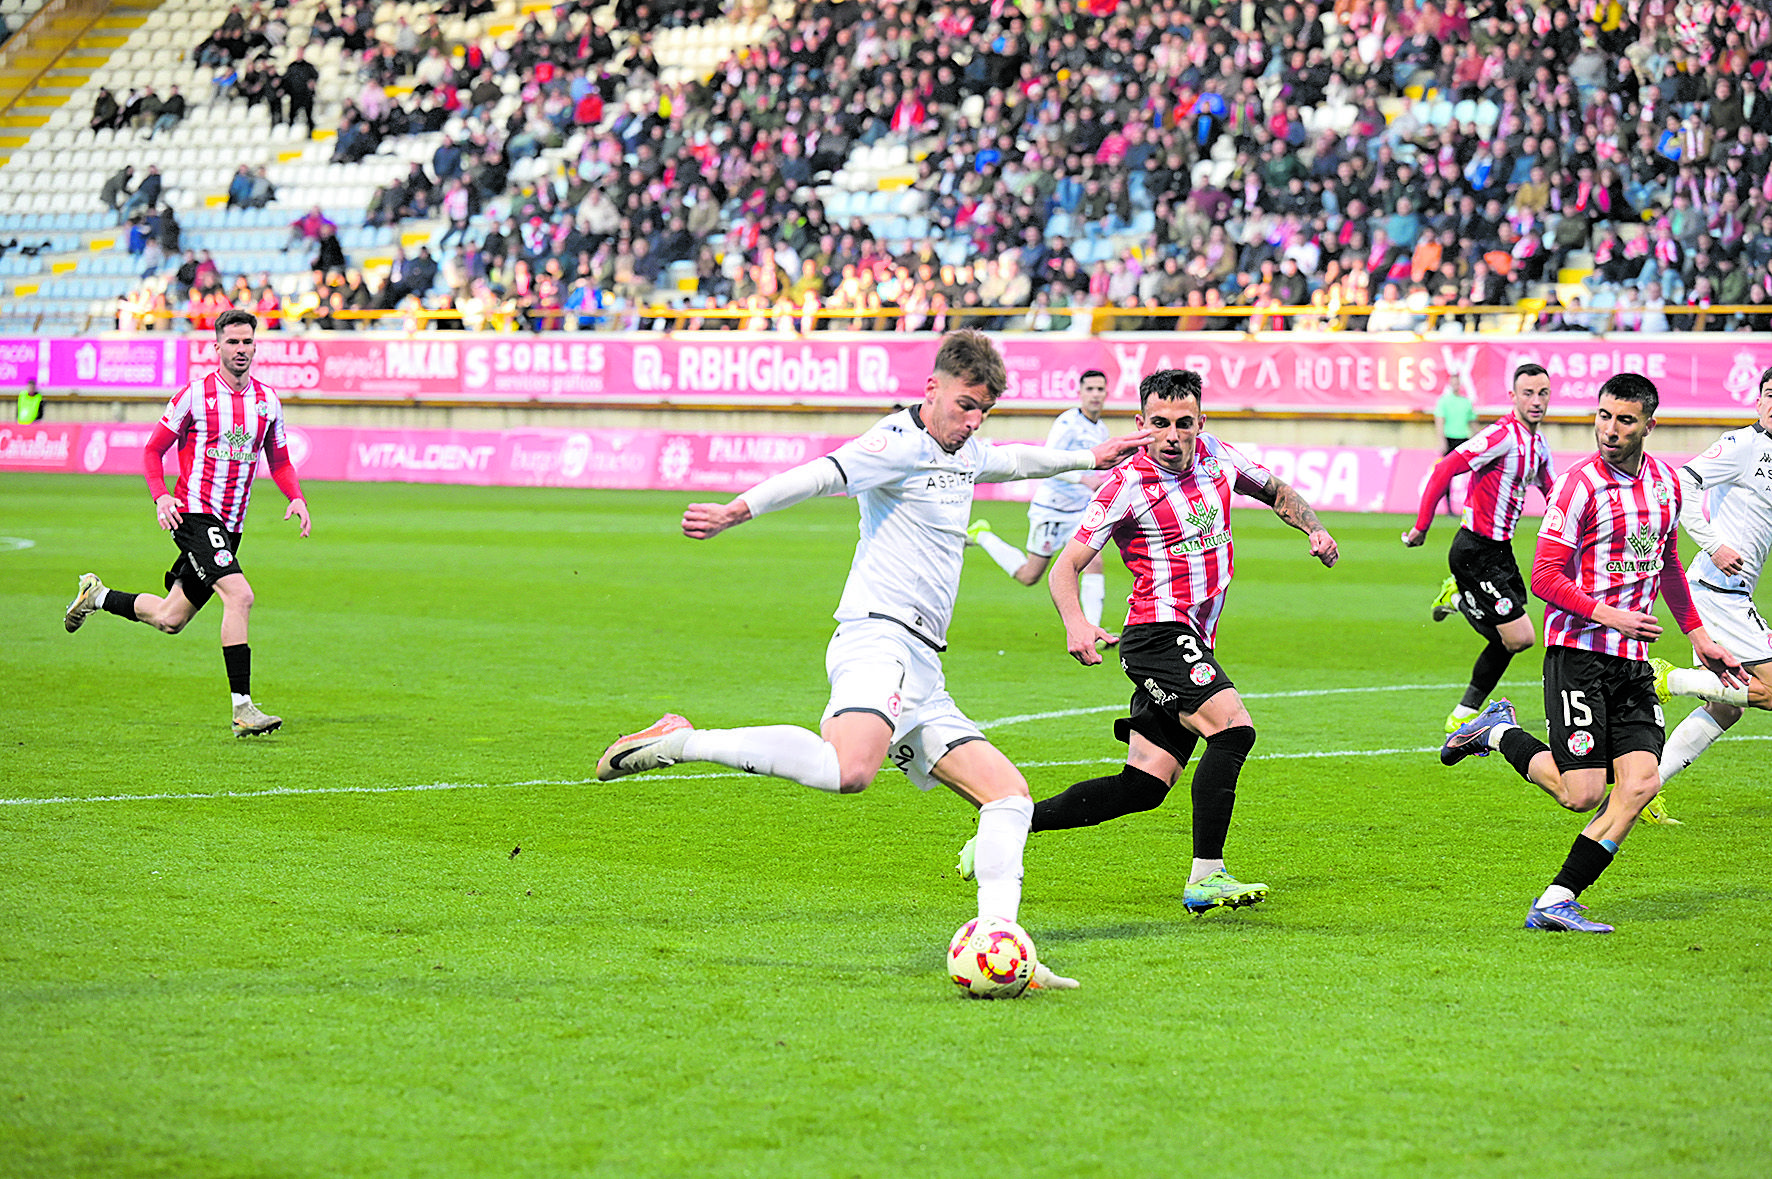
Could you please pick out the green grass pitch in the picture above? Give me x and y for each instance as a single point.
(300, 961)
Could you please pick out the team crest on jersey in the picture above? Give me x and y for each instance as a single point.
(1202, 674)
(1210, 468)
(1716, 448)
(874, 443)
(893, 704)
(1553, 520)
(1642, 541)
(1662, 494)
(1094, 517)
(1581, 742)
(235, 446)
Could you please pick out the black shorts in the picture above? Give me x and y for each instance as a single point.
(206, 551)
(1173, 673)
(1600, 707)
(1492, 591)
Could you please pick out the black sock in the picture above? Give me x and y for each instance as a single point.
(1520, 747)
(239, 661)
(1587, 859)
(121, 604)
(1215, 788)
(1486, 673)
(1100, 799)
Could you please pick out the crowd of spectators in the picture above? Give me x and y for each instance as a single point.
(1167, 161)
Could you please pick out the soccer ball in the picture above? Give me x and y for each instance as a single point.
(991, 958)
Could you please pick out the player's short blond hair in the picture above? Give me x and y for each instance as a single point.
(969, 356)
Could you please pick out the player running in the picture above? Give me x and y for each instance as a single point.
(220, 423)
(1485, 585)
(1608, 535)
(1169, 511)
(913, 473)
(1728, 511)
(1057, 506)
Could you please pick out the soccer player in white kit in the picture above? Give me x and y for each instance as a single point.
(1058, 504)
(913, 473)
(221, 424)
(1728, 511)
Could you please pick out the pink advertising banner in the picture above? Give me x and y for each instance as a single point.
(1332, 478)
(1699, 375)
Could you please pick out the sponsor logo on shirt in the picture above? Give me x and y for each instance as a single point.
(1642, 541)
(235, 446)
(1200, 515)
(1199, 544)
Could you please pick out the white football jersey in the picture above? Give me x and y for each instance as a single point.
(1071, 431)
(916, 500)
(1735, 475)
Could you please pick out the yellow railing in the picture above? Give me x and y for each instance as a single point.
(45, 39)
(1528, 315)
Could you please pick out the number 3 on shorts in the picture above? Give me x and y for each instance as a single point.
(1190, 648)
(216, 538)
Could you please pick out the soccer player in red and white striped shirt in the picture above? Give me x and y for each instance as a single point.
(1609, 536)
(1485, 585)
(1168, 508)
(221, 424)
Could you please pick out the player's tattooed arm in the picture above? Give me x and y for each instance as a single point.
(1291, 507)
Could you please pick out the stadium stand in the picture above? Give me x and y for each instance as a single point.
(910, 164)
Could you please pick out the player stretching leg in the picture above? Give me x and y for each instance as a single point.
(1735, 475)
(1057, 507)
(220, 423)
(913, 473)
(1485, 585)
(1610, 531)
(1169, 511)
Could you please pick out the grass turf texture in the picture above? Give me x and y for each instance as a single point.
(741, 976)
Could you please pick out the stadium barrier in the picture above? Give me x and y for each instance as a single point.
(1700, 376)
(1333, 478)
(1533, 314)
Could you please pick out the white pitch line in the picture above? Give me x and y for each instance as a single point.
(1064, 712)
(286, 792)
(13, 544)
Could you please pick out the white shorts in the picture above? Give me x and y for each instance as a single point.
(1732, 621)
(1049, 530)
(880, 667)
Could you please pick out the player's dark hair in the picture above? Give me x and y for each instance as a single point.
(1172, 384)
(232, 316)
(1633, 387)
(1764, 377)
(1528, 370)
(1090, 372)
(968, 355)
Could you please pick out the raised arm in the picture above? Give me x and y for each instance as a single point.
(1290, 506)
(821, 476)
(1451, 465)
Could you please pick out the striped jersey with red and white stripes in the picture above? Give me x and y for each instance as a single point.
(1505, 460)
(1174, 531)
(1618, 526)
(220, 436)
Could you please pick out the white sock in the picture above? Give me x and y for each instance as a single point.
(1464, 712)
(1008, 558)
(1556, 894)
(1690, 738)
(1203, 869)
(240, 698)
(99, 602)
(1002, 834)
(1093, 589)
(1696, 681)
(781, 751)
(1493, 737)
